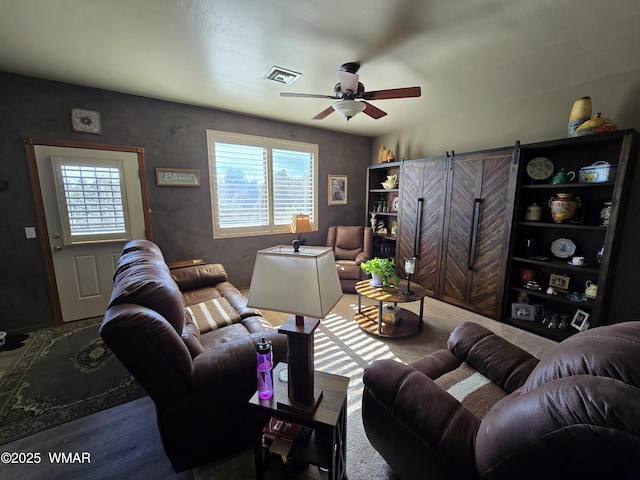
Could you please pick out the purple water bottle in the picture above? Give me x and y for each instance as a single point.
(265, 364)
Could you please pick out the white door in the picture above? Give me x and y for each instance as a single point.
(92, 204)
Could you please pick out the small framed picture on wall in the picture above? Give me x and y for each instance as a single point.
(338, 190)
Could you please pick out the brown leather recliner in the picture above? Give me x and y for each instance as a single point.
(200, 382)
(486, 409)
(351, 246)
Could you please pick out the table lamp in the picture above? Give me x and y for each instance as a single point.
(299, 224)
(306, 284)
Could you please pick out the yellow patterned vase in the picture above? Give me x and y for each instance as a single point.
(580, 113)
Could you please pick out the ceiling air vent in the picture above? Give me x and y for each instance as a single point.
(282, 75)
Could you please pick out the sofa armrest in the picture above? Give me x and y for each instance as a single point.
(235, 358)
(505, 364)
(362, 257)
(428, 414)
(199, 276)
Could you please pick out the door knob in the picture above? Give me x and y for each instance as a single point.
(57, 248)
(55, 235)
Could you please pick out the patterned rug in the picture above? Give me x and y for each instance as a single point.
(64, 373)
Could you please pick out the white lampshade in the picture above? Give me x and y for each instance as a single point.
(348, 108)
(304, 283)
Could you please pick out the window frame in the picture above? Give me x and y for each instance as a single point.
(269, 144)
(69, 238)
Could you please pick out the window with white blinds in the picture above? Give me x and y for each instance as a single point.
(91, 196)
(258, 183)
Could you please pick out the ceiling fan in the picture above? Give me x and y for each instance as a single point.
(352, 97)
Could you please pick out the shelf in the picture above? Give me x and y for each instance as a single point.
(384, 190)
(560, 298)
(558, 264)
(545, 186)
(541, 329)
(569, 226)
(386, 236)
(388, 214)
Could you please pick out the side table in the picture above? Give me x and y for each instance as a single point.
(327, 446)
(370, 318)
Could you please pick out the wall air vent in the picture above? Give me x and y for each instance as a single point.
(282, 75)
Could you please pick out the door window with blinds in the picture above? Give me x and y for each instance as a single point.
(91, 199)
(259, 183)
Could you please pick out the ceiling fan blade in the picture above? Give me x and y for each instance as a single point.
(323, 114)
(393, 93)
(373, 112)
(307, 95)
(348, 81)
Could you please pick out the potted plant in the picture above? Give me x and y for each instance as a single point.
(383, 270)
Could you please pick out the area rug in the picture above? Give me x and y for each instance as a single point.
(64, 373)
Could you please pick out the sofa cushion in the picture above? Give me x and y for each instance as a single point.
(472, 389)
(142, 278)
(213, 314)
(199, 276)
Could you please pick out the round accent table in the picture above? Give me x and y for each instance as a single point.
(369, 318)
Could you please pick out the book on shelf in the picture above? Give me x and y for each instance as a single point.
(278, 428)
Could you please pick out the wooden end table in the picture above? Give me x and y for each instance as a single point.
(327, 446)
(370, 318)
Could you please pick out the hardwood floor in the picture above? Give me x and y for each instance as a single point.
(121, 442)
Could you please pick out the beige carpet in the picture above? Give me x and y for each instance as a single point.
(342, 348)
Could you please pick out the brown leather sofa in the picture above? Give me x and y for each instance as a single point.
(484, 408)
(351, 246)
(200, 382)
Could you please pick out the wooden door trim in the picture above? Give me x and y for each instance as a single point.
(41, 222)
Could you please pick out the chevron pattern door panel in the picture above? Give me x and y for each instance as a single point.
(478, 215)
(423, 190)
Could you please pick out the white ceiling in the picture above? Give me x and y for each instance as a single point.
(464, 54)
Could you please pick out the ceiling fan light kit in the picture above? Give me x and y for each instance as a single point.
(348, 108)
(349, 89)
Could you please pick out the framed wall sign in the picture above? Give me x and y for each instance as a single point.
(177, 177)
(338, 189)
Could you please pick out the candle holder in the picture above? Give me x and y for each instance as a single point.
(409, 269)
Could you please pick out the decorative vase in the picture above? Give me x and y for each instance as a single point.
(605, 213)
(533, 213)
(580, 113)
(563, 207)
(598, 124)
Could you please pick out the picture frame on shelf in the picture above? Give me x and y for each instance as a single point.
(337, 190)
(539, 311)
(523, 311)
(559, 282)
(580, 320)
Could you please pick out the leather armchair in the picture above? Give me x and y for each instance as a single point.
(200, 382)
(351, 246)
(484, 408)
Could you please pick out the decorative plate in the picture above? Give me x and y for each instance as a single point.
(395, 203)
(86, 121)
(540, 168)
(563, 248)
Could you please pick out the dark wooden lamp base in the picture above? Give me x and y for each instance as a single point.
(302, 396)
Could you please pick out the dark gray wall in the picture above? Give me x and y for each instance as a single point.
(172, 135)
